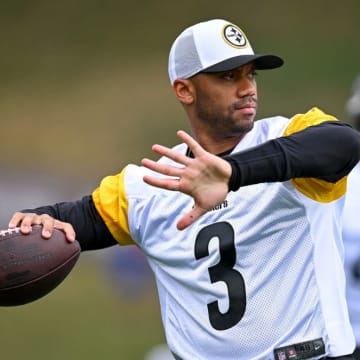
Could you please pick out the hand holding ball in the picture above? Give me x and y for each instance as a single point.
(31, 266)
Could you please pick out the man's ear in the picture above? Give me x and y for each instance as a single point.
(184, 91)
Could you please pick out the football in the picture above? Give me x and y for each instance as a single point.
(31, 266)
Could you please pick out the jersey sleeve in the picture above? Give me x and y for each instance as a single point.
(111, 202)
(315, 189)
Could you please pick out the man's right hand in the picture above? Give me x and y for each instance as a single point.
(204, 177)
(25, 220)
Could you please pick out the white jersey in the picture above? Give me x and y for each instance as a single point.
(260, 271)
(351, 235)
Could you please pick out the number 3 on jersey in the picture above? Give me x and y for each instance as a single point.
(223, 271)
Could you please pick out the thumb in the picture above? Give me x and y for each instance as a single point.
(190, 217)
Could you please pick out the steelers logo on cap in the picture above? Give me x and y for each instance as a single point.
(234, 36)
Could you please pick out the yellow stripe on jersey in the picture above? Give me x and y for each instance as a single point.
(316, 189)
(111, 203)
(301, 121)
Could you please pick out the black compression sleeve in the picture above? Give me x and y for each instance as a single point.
(91, 231)
(327, 151)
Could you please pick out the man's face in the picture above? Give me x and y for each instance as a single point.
(227, 101)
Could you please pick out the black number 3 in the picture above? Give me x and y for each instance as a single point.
(223, 271)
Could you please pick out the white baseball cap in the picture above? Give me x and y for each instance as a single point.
(211, 46)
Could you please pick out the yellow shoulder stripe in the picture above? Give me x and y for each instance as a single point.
(111, 203)
(301, 121)
(320, 190)
(316, 189)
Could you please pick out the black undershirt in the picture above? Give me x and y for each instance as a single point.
(327, 151)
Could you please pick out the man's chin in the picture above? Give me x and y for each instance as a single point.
(247, 124)
(243, 129)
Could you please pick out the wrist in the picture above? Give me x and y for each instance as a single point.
(234, 180)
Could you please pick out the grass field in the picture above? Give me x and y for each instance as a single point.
(84, 318)
(84, 91)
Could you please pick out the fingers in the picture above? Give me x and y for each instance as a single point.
(67, 229)
(167, 169)
(163, 183)
(171, 154)
(176, 156)
(190, 217)
(204, 176)
(194, 146)
(164, 169)
(25, 221)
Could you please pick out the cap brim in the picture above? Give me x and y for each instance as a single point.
(262, 62)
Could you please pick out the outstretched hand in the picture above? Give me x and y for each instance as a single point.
(205, 177)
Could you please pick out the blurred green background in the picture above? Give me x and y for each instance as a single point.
(84, 91)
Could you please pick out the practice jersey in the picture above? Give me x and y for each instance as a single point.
(261, 270)
(351, 235)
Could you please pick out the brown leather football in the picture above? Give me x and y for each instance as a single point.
(31, 266)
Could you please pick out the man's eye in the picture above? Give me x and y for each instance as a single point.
(229, 75)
